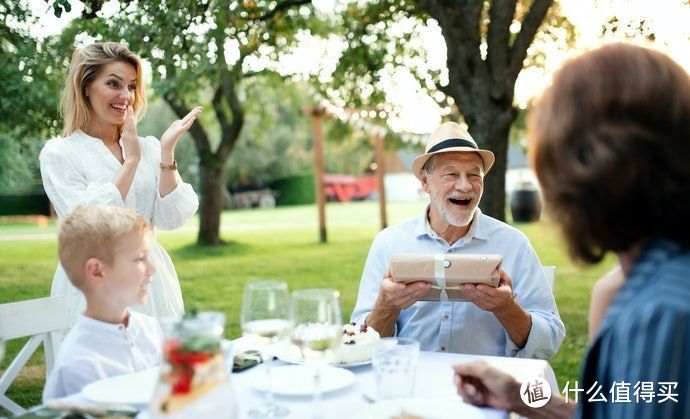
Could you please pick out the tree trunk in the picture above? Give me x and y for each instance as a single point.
(490, 127)
(483, 86)
(212, 180)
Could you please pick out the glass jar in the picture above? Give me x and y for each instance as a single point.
(193, 368)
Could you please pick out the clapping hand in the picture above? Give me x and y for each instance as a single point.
(172, 135)
(130, 141)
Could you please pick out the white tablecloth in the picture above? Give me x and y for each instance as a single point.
(434, 379)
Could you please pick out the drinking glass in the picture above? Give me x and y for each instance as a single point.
(317, 327)
(266, 322)
(395, 366)
(194, 375)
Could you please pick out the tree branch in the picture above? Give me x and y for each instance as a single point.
(284, 5)
(230, 130)
(460, 22)
(529, 28)
(498, 38)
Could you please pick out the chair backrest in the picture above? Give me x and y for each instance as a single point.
(550, 272)
(44, 320)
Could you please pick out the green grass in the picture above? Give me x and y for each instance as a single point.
(282, 244)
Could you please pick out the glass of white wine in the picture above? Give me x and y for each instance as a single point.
(266, 323)
(317, 327)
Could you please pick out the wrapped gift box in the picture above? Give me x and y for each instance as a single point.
(446, 272)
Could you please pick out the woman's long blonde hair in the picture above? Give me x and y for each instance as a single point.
(83, 69)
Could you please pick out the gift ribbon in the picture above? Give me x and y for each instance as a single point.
(440, 275)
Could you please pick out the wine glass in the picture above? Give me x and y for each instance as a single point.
(266, 322)
(317, 327)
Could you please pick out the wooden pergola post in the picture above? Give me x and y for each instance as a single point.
(380, 157)
(319, 169)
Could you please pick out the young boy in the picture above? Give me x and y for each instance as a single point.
(104, 251)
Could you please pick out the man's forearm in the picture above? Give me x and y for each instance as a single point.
(383, 320)
(517, 323)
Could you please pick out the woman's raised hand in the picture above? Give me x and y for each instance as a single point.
(174, 132)
(130, 141)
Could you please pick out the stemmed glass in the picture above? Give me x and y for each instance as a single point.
(266, 322)
(317, 327)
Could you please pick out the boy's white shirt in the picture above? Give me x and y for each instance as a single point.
(94, 350)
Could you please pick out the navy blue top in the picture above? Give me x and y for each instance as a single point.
(644, 343)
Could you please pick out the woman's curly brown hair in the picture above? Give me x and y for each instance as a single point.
(611, 147)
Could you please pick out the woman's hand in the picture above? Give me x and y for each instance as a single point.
(172, 135)
(130, 141)
(482, 385)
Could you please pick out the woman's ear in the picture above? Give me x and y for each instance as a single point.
(93, 272)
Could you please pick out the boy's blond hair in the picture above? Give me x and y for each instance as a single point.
(94, 232)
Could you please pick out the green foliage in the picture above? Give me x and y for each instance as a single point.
(276, 140)
(29, 90)
(30, 70)
(295, 190)
(375, 49)
(19, 171)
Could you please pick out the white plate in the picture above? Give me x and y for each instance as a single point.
(428, 408)
(292, 355)
(298, 380)
(136, 388)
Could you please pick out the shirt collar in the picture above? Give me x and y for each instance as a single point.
(478, 228)
(118, 329)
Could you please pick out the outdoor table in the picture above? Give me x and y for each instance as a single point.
(434, 380)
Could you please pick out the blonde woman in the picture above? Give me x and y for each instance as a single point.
(102, 160)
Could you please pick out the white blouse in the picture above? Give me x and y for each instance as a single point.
(79, 169)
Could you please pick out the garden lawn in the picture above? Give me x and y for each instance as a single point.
(278, 244)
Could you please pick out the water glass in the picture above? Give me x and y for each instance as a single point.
(266, 324)
(317, 328)
(395, 366)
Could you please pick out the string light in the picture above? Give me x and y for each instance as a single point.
(359, 118)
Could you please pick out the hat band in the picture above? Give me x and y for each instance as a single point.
(453, 142)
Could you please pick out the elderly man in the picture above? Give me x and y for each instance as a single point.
(517, 318)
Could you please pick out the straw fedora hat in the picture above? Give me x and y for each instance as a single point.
(450, 137)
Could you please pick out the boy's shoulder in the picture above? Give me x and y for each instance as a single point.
(145, 323)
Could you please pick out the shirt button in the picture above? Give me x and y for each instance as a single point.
(120, 327)
(445, 316)
(443, 348)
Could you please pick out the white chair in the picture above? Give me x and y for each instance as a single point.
(44, 320)
(550, 272)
